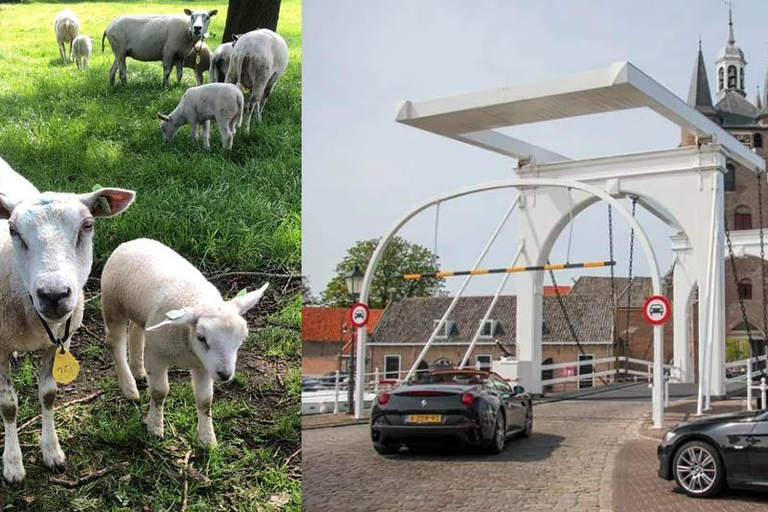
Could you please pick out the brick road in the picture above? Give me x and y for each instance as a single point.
(566, 465)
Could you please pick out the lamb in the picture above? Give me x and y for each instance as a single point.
(82, 46)
(259, 59)
(46, 250)
(177, 318)
(220, 62)
(164, 37)
(223, 102)
(199, 59)
(66, 25)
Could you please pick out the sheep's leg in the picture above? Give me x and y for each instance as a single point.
(267, 92)
(70, 50)
(87, 61)
(167, 68)
(253, 101)
(53, 456)
(193, 126)
(63, 52)
(136, 351)
(157, 379)
(13, 467)
(112, 72)
(207, 134)
(117, 344)
(179, 71)
(123, 69)
(202, 385)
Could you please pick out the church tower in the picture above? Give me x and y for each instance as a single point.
(730, 65)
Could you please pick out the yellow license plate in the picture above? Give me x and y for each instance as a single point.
(421, 419)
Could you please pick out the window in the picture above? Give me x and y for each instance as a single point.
(745, 289)
(445, 330)
(586, 369)
(490, 327)
(742, 218)
(731, 77)
(757, 140)
(741, 79)
(483, 361)
(500, 384)
(392, 366)
(720, 81)
(729, 180)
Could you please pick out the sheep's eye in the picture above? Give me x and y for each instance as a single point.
(87, 225)
(202, 339)
(15, 234)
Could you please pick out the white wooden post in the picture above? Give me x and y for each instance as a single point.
(376, 382)
(749, 384)
(336, 394)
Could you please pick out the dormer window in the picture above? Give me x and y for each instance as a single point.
(448, 328)
(489, 329)
(720, 79)
(731, 77)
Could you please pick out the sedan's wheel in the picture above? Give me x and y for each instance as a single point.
(698, 470)
(496, 443)
(385, 449)
(528, 428)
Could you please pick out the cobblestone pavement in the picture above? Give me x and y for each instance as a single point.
(566, 465)
(638, 488)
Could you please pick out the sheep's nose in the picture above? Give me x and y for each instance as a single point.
(223, 376)
(51, 298)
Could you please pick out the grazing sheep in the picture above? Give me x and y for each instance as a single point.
(45, 258)
(199, 59)
(258, 59)
(177, 318)
(81, 51)
(66, 25)
(151, 38)
(220, 62)
(223, 102)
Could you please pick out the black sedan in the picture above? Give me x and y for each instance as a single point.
(469, 406)
(704, 455)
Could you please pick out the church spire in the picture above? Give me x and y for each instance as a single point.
(759, 100)
(699, 95)
(730, 65)
(731, 39)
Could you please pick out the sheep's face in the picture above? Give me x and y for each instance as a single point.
(199, 22)
(218, 332)
(52, 237)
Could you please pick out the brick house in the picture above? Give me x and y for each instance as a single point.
(326, 336)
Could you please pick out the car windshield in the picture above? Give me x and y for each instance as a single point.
(462, 378)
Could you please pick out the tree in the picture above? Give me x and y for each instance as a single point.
(246, 15)
(400, 257)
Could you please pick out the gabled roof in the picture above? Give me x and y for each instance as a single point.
(412, 320)
(735, 109)
(325, 324)
(642, 287)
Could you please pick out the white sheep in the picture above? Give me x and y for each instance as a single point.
(199, 60)
(223, 102)
(220, 62)
(81, 51)
(66, 26)
(177, 318)
(46, 251)
(259, 59)
(157, 37)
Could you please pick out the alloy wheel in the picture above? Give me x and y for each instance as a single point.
(696, 469)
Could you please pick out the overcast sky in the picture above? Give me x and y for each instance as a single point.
(362, 170)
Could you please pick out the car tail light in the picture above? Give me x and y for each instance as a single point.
(383, 398)
(467, 398)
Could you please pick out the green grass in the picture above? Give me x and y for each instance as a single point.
(67, 131)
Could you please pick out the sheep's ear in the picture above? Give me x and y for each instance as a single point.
(184, 316)
(247, 301)
(107, 202)
(162, 117)
(187, 12)
(235, 37)
(213, 12)
(7, 205)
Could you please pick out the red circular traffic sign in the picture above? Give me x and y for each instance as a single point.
(359, 314)
(657, 310)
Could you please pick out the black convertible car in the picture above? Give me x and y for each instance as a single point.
(704, 455)
(468, 406)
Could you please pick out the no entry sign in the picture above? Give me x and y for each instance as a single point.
(359, 313)
(657, 309)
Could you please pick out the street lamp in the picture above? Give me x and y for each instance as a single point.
(354, 282)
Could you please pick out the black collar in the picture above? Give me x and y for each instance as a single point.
(56, 341)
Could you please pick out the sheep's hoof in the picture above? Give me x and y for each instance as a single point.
(141, 382)
(14, 475)
(56, 466)
(132, 394)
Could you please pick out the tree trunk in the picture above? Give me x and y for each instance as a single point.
(246, 15)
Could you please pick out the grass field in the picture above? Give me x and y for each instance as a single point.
(235, 215)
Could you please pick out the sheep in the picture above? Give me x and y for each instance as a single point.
(220, 62)
(46, 251)
(150, 38)
(82, 46)
(199, 59)
(177, 318)
(223, 102)
(259, 59)
(66, 26)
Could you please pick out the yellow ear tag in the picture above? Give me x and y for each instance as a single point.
(65, 367)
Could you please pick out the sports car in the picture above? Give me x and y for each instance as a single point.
(451, 406)
(705, 455)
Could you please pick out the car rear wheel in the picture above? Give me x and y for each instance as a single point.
(496, 443)
(528, 427)
(385, 449)
(698, 470)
